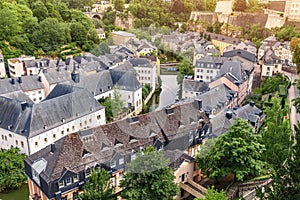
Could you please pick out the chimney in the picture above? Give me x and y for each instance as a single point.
(198, 104)
(251, 103)
(44, 70)
(228, 114)
(75, 74)
(23, 105)
(52, 148)
(40, 79)
(12, 81)
(20, 79)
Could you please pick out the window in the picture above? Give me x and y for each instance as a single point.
(40, 98)
(207, 71)
(113, 181)
(2, 137)
(137, 103)
(88, 172)
(45, 140)
(17, 143)
(61, 184)
(85, 122)
(113, 164)
(10, 135)
(75, 178)
(68, 181)
(81, 123)
(54, 136)
(36, 144)
(22, 144)
(73, 128)
(62, 132)
(121, 161)
(34, 99)
(40, 92)
(90, 120)
(5, 138)
(98, 117)
(128, 96)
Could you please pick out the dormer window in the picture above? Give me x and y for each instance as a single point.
(118, 143)
(61, 184)
(75, 178)
(88, 172)
(132, 139)
(68, 181)
(121, 161)
(113, 164)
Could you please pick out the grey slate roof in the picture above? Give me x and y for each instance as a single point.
(270, 58)
(223, 38)
(234, 68)
(28, 83)
(214, 98)
(125, 77)
(121, 137)
(54, 76)
(19, 95)
(244, 49)
(32, 119)
(248, 112)
(141, 62)
(194, 86)
(211, 60)
(97, 83)
(220, 124)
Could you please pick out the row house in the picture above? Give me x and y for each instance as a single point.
(192, 88)
(237, 77)
(31, 86)
(141, 47)
(270, 64)
(60, 170)
(146, 70)
(31, 127)
(281, 50)
(207, 68)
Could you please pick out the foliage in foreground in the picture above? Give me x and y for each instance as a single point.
(11, 169)
(149, 177)
(236, 152)
(286, 178)
(98, 186)
(213, 194)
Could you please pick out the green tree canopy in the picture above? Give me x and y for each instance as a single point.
(149, 177)
(11, 169)
(237, 151)
(286, 184)
(213, 194)
(98, 187)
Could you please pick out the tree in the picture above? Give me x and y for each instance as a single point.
(239, 5)
(11, 169)
(286, 178)
(236, 152)
(276, 133)
(185, 68)
(119, 5)
(78, 33)
(149, 177)
(51, 34)
(294, 43)
(40, 10)
(9, 25)
(210, 5)
(98, 187)
(117, 104)
(213, 194)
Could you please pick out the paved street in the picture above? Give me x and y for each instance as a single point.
(292, 94)
(169, 90)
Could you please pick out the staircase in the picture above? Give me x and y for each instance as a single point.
(193, 188)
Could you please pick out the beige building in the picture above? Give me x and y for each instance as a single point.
(292, 10)
(121, 37)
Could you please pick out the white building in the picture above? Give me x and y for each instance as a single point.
(31, 127)
(32, 86)
(146, 70)
(270, 64)
(2, 67)
(17, 67)
(207, 68)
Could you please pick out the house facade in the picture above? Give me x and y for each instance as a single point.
(207, 68)
(31, 127)
(60, 170)
(270, 64)
(121, 37)
(16, 66)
